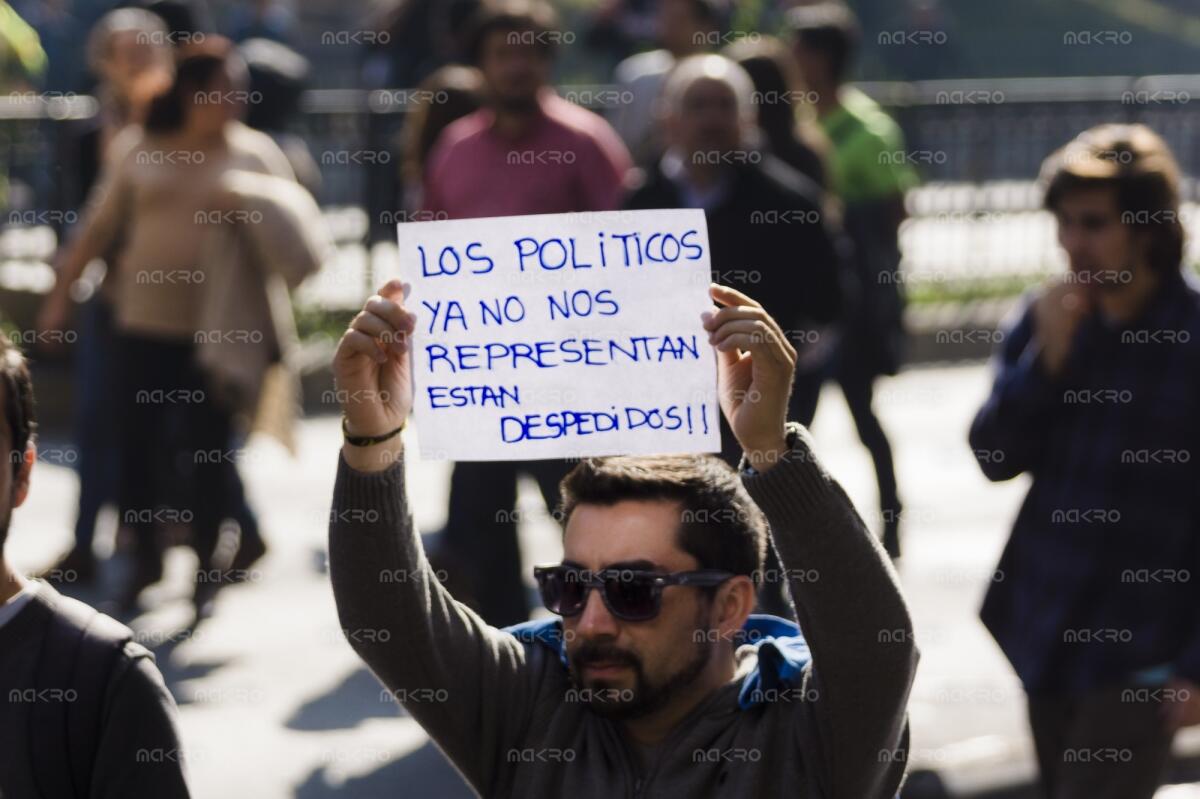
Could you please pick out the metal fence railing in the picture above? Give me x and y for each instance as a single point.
(980, 130)
(977, 144)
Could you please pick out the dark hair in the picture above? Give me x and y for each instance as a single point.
(1136, 162)
(184, 18)
(513, 16)
(278, 75)
(196, 69)
(709, 12)
(448, 94)
(17, 387)
(720, 526)
(830, 28)
(768, 63)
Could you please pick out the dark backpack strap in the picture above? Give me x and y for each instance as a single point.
(80, 649)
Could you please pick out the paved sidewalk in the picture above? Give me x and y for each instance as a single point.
(275, 704)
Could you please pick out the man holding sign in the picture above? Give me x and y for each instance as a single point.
(660, 682)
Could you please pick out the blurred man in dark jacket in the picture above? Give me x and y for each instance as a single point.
(767, 234)
(1095, 397)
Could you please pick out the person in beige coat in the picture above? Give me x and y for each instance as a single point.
(169, 196)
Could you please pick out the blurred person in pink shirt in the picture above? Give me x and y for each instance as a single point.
(527, 151)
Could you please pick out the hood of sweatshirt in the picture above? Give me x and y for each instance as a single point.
(780, 648)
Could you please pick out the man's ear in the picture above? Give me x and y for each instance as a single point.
(735, 603)
(21, 483)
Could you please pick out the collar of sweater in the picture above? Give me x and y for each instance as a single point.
(782, 653)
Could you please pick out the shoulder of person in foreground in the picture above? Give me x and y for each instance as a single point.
(140, 751)
(137, 749)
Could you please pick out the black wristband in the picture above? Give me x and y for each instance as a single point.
(366, 441)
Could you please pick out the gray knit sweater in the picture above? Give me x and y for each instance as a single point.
(499, 707)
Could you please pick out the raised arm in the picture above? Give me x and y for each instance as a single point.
(1009, 433)
(465, 682)
(846, 596)
(854, 618)
(105, 215)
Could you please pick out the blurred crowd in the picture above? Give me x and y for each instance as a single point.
(198, 217)
(187, 182)
(765, 134)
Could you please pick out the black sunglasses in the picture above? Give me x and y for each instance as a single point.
(629, 594)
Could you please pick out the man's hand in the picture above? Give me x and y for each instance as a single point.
(755, 366)
(1183, 710)
(373, 372)
(1056, 316)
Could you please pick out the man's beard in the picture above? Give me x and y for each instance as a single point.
(1116, 281)
(617, 704)
(516, 104)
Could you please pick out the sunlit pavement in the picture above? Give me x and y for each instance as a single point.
(274, 703)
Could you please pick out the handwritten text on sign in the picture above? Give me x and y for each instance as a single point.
(561, 335)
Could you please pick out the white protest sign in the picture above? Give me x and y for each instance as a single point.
(561, 335)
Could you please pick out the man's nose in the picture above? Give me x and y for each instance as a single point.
(596, 620)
